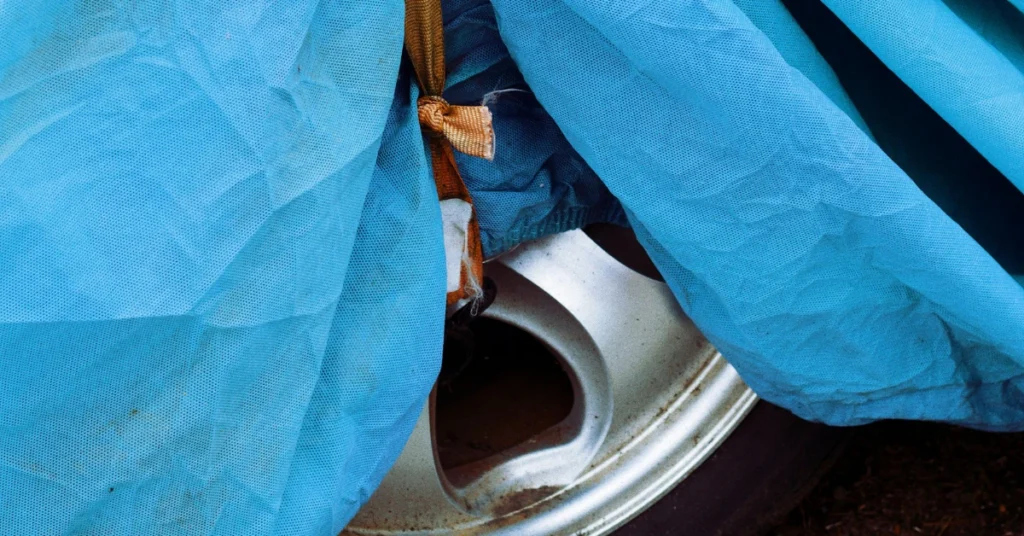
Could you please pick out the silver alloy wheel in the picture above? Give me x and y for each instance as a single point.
(652, 401)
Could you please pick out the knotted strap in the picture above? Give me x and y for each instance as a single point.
(466, 128)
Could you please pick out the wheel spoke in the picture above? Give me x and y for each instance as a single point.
(620, 336)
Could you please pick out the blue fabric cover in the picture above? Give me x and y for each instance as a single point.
(965, 58)
(222, 293)
(831, 282)
(537, 184)
(222, 290)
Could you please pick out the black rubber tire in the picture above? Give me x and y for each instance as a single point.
(754, 479)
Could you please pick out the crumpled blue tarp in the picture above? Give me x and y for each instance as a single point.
(222, 287)
(818, 268)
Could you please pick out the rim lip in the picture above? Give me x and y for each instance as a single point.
(637, 472)
(603, 517)
(607, 511)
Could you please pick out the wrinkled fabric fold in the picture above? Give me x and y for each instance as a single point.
(224, 256)
(965, 58)
(180, 193)
(827, 278)
(362, 410)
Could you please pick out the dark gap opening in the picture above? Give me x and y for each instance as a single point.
(621, 243)
(999, 21)
(499, 386)
(945, 166)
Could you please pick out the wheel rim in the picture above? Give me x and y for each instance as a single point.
(652, 400)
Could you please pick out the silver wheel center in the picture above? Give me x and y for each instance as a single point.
(651, 400)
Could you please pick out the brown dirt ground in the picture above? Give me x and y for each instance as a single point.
(914, 478)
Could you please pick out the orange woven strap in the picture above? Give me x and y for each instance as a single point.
(466, 129)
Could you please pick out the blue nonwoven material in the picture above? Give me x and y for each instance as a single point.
(222, 287)
(965, 58)
(827, 278)
(221, 263)
(941, 162)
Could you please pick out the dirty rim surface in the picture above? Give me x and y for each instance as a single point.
(651, 399)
